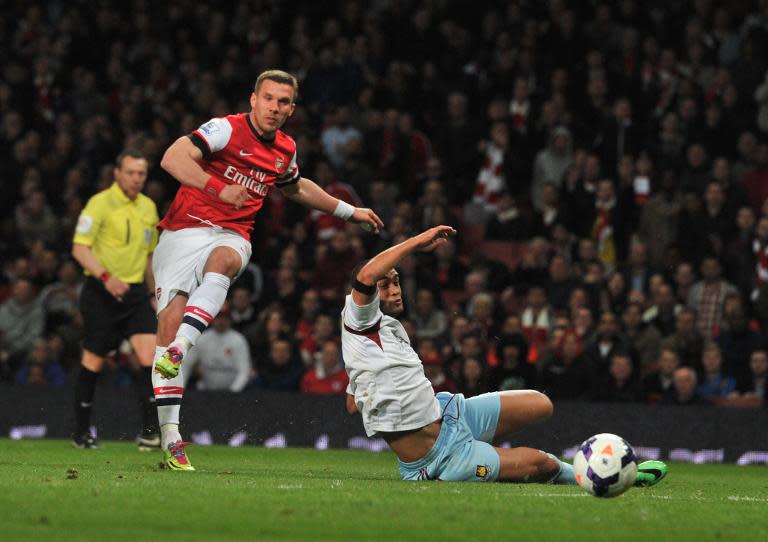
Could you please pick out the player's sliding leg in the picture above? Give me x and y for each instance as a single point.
(144, 346)
(85, 387)
(202, 307)
(525, 465)
(650, 473)
(516, 410)
(519, 409)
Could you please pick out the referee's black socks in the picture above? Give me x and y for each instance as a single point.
(146, 394)
(84, 389)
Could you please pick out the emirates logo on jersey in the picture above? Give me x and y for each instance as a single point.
(279, 163)
(253, 181)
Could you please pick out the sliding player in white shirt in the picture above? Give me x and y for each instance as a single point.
(443, 437)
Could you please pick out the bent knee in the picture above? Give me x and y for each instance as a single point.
(544, 406)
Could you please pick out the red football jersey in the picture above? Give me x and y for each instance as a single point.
(234, 152)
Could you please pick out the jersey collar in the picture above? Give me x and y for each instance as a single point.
(119, 194)
(256, 133)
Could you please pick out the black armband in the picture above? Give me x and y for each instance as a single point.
(366, 289)
(200, 143)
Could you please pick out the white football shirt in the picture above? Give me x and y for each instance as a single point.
(385, 374)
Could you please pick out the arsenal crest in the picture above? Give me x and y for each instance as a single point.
(279, 163)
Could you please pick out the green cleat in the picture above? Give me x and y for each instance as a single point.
(169, 363)
(650, 473)
(175, 458)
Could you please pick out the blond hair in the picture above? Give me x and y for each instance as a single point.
(278, 76)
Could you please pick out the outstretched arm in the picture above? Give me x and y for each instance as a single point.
(380, 264)
(308, 194)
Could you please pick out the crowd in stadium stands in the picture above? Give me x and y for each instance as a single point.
(605, 165)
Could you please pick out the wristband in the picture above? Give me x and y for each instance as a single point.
(343, 210)
(214, 186)
(104, 277)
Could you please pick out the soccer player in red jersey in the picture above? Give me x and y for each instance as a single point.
(226, 169)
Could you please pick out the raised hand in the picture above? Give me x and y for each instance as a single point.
(434, 237)
(367, 219)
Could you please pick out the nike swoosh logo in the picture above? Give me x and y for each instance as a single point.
(243, 153)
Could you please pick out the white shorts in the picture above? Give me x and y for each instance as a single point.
(180, 258)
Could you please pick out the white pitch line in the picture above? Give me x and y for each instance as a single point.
(749, 499)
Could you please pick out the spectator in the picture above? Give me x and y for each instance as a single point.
(659, 220)
(536, 319)
(21, 322)
(687, 339)
(737, 340)
(707, 295)
(334, 266)
(755, 182)
(644, 338)
(492, 178)
(59, 299)
(714, 383)
(756, 383)
(435, 373)
(618, 136)
(459, 329)
(567, 373)
(326, 226)
(221, 358)
(472, 381)
(457, 142)
(607, 341)
(338, 136)
(281, 370)
(664, 311)
(322, 331)
(760, 252)
(683, 390)
(310, 307)
(739, 252)
(508, 221)
(658, 383)
(619, 385)
(684, 278)
(328, 375)
(637, 272)
(241, 311)
(430, 321)
(449, 270)
(512, 371)
(551, 164)
(611, 222)
(35, 220)
(40, 369)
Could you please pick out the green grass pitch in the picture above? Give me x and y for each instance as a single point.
(117, 493)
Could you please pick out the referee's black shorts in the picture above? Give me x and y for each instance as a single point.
(108, 321)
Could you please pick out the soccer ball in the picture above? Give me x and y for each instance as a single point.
(605, 465)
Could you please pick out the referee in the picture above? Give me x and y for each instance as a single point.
(114, 240)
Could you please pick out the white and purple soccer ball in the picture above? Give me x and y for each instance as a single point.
(605, 465)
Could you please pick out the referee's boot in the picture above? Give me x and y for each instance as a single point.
(650, 473)
(169, 363)
(84, 441)
(148, 441)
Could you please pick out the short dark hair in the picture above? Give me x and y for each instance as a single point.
(129, 153)
(278, 76)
